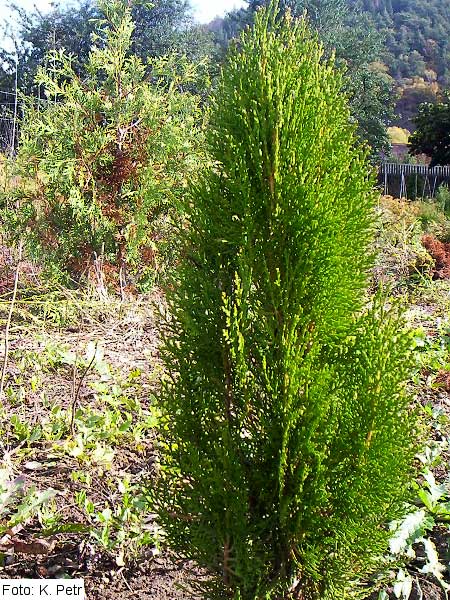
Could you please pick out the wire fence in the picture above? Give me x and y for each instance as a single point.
(12, 110)
(412, 182)
(9, 107)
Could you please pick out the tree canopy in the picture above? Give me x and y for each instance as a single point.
(432, 136)
(160, 27)
(413, 39)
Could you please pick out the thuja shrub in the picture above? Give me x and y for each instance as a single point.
(104, 159)
(287, 440)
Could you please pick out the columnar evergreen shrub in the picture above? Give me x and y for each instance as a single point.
(106, 154)
(287, 441)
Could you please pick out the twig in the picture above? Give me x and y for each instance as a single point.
(8, 322)
(122, 282)
(226, 561)
(74, 378)
(74, 392)
(77, 392)
(130, 589)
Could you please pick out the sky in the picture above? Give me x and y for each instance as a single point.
(206, 10)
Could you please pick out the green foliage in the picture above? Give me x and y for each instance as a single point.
(409, 37)
(433, 132)
(162, 26)
(416, 49)
(104, 157)
(413, 534)
(443, 198)
(17, 504)
(36, 33)
(353, 39)
(286, 439)
(371, 100)
(118, 528)
(417, 35)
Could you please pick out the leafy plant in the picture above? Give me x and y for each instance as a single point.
(118, 527)
(432, 131)
(443, 198)
(286, 435)
(414, 531)
(107, 155)
(17, 503)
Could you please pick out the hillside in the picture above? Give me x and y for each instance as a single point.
(416, 48)
(417, 36)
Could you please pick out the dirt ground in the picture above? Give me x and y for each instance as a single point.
(157, 578)
(129, 342)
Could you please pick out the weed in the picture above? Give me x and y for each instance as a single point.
(111, 426)
(19, 504)
(443, 199)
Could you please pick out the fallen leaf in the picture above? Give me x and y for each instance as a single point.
(34, 465)
(34, 547)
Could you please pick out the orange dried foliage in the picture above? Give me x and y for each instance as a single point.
(148, 256)
(440, 252)
(400, 209)
(127, 159)
(49, 238)
(82, 264)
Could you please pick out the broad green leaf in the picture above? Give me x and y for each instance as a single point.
(403, 585)
(409, 531)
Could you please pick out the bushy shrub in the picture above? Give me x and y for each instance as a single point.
(443, 198)
(104, 157)
(440, 252)
(400, 254)
(287, 440)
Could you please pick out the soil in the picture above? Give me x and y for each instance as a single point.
(158, 578)
(131, 341)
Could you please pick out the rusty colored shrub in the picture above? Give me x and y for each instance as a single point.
(108, 159)
(440, 252)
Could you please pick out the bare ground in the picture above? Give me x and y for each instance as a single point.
(129, 341)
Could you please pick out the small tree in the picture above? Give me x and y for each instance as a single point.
(287, 442)
(108, 154)
(432, 136)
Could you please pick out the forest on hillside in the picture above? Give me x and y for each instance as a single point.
(416, 49)
(417, 36)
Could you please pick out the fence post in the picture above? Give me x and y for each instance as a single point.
(13, 138)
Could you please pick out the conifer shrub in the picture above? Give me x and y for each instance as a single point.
(104, 158)
(287, 439)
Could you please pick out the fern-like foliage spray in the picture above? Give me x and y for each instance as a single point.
(287, 439)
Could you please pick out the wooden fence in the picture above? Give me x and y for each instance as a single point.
(412, 181)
